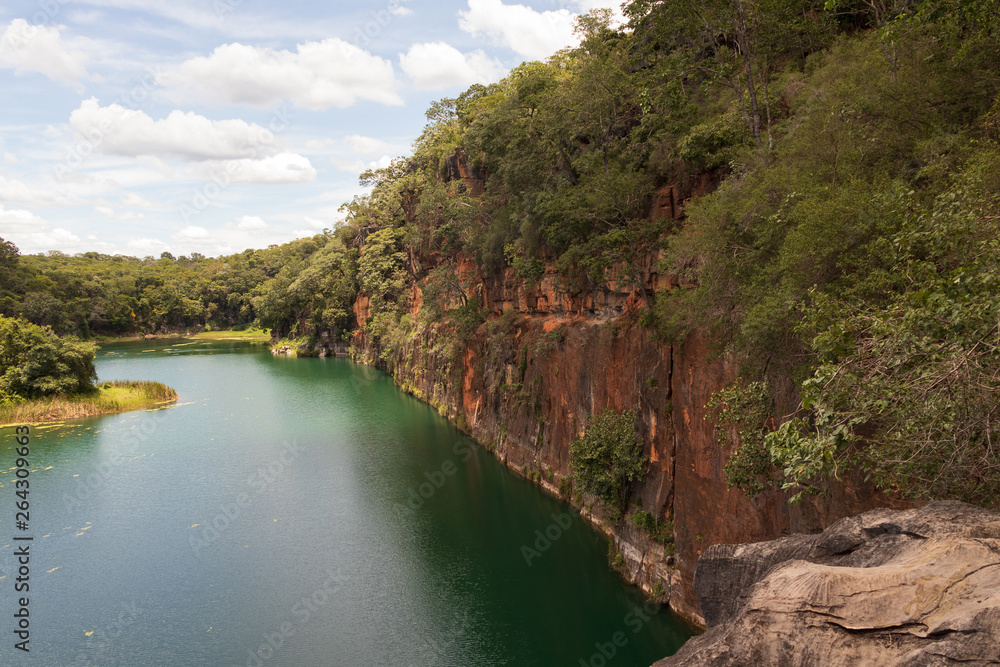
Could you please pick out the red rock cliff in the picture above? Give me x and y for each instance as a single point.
(524, 383)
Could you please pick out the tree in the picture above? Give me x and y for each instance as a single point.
(9, 254)
(905, 382)
(735, 42)
(326, 288)
(608, 458)
(382, 275)
(34, 362)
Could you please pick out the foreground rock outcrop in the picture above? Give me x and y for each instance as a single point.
(911, 587)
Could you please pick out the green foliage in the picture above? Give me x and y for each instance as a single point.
(566, 487)
(382, 275)
(34, 362)
(608, 458)
(643, 520)
(661, 531)
(743, 411)
(906, 384)
(94, 294)
(850, 244)
(548, 342)
(715, 143)
(616, 560)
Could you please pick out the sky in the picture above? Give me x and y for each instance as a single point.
(147, 126)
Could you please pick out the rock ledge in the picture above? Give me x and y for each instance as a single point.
(912, 587)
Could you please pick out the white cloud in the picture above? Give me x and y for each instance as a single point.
(318, 75)
(439, 65)
(614, 5)
(33, 234)
(132, 200)
(192, 233)
(531, 34)
(9, 158)
(115, 214)
(355, 153)
(37, 48)
(278, 169)
(235, 18)
(120, 131)
(368, 146)
(316, 224)
(144, 246)
(89, 17)
(251, 222)
(357, 166)
(31, 195)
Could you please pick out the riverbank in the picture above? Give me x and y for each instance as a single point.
(109, 398)
(223, 334)
(246, 334)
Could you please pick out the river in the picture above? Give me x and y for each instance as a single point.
(300, 512)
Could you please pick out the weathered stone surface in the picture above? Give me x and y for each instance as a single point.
(911, 587)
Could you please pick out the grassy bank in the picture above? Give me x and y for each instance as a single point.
(246, 334)
(108, 398)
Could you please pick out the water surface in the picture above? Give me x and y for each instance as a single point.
(300, 512)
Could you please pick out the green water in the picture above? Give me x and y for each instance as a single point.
(275, 517)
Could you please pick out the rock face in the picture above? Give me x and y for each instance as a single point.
(549, 354)
(524, 383)
(911, 587)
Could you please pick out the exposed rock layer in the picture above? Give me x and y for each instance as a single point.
(912, 587)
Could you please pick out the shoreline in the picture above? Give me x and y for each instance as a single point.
(222, 334)
(113, 397)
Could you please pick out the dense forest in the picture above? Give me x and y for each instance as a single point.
(838, 164)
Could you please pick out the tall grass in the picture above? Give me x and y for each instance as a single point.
(107, 398)
(245, 334)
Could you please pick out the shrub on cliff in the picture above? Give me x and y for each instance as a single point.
(906, 385)
(608, 458)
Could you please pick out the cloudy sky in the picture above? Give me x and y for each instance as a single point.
(211, 126)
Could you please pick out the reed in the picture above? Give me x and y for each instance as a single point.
(108, 398)
(246, 334)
